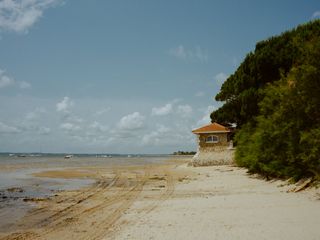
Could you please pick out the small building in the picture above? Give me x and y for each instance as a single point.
(214, 145)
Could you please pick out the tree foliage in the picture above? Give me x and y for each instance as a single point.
(274, 97)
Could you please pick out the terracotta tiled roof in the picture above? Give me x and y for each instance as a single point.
(211, 128)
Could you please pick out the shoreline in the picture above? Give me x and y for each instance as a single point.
(92, 211)
(171, 201)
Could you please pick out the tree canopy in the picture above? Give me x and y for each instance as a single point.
(274, 98)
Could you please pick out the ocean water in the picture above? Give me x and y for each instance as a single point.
(78, 160)
(16, 169)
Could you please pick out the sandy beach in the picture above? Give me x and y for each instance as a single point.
(223, 202)
(170, 201)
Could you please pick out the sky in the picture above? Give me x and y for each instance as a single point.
(116, 76)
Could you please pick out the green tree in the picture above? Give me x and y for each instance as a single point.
(274, 97)
(271, 59)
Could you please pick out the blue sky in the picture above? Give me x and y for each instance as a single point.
(124, 76)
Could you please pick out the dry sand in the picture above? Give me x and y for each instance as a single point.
(172, 201)
(223, 202)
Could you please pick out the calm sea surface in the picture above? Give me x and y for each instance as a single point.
(17, 169)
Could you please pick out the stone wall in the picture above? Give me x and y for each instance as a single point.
(210, 158)
(220, 153)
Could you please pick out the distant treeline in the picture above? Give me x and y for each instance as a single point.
(274, 98)
(184, 153)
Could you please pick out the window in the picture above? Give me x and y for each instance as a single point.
(212, 139)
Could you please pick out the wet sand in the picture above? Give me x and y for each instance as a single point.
(95, 211)
(170, 201)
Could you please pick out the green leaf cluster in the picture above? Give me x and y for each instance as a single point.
(274, 97)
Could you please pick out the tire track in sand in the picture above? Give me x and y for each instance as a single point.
(46, 221)
(96, 214)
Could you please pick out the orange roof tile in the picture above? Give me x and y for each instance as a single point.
(211, 128)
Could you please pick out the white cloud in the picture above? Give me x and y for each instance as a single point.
(162, 111)
(132, 121)
(200, 54)
(182, 53)
(175, 136)
(220, 77)
(206, 116)
(185, 110)
(102, 111)
(33, 122)
(69, 120)
(316, 15)
(179, 52)
(35, 114)
(155, 137)
(96, 126)
(24, 85)
(6, 81)
(44, 130)
(64, 105)
(19, 15)
(4, 128)
(124, 130)
(73, 118)
(69, 126)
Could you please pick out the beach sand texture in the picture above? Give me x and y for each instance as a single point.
(223, 202)
(172, 201)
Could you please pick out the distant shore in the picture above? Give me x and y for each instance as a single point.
(169, 200)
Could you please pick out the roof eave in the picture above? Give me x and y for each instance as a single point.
(195, 132)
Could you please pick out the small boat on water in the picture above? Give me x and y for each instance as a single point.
(68, 156)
